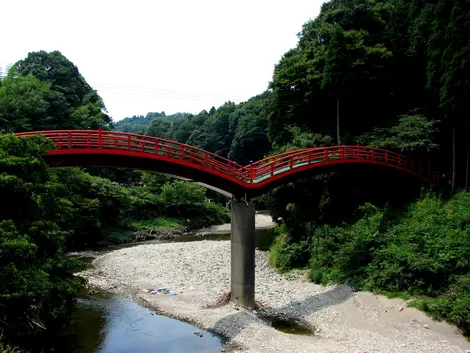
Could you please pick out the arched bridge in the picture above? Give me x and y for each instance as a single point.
(118, 149)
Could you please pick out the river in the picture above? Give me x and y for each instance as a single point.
(106, 323)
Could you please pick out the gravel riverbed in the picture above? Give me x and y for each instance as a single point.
(199, 272)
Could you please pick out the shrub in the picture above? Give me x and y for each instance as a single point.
(423, 251)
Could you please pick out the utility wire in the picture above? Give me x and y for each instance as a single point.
(164, 93)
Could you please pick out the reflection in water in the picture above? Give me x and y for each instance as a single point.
(110, 324)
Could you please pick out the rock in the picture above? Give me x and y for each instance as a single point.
(426, 327)
(197, 333)
(401, 308)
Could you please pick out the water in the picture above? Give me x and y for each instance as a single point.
(111, 324)
(263, 239)
(106, 323)
(287, 326)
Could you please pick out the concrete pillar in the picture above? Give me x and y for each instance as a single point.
(243, 254)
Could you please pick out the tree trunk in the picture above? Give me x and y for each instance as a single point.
(453, 158)
(337, 121)
(466, 175)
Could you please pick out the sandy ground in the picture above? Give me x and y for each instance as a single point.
(199, 272)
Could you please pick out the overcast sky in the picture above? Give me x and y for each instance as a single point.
(153, 55)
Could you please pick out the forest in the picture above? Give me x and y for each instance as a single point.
(390, 74)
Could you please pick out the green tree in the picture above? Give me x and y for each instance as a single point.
(413, 133)
(36, 286)
(28, 104)
(64, 78)
(180, 192)
(336, 70)
(448, 56)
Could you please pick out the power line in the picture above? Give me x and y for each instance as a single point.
(112, 88)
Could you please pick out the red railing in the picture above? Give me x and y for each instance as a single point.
(259, 171)
(276, 164)
(102, 139)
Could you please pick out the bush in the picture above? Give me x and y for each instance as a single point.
(36, 284)
(285, 255)
(179, 191)
(454, 306)
(422, 251)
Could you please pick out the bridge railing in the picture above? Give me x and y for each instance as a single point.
(294, 159)
(101, 139)
(253, 173)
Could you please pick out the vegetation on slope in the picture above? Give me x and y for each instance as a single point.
(422, 251)
(46, 212)
(398, 73)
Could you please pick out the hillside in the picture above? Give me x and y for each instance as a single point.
(140, 123)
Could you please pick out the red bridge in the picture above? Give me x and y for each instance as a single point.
(118, 149)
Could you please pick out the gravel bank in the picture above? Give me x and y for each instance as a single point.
(262, 221)
(344, 321)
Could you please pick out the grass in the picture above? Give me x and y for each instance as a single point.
(161, 222)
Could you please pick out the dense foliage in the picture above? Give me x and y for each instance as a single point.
(423, 251)
(388, 74)
(392, 74)
(35, 279)
(45, 212)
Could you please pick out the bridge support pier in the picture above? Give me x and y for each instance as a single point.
(243, 254)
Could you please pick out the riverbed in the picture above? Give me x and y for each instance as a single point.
(340, 319)
(109, 323)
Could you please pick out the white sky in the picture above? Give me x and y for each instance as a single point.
(154, 55)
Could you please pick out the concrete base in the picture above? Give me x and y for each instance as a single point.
(243, 254)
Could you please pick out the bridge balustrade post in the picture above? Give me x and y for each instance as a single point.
(100, 138)
(243, 253)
